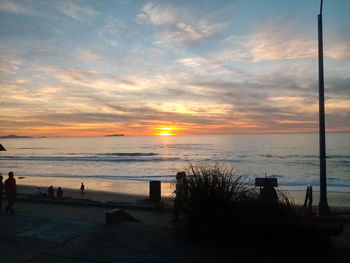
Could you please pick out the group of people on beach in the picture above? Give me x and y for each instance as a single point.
(11, 191)
(50, 192)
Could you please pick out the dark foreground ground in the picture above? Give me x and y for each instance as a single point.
(66, 233)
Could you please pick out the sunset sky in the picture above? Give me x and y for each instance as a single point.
(91, 68)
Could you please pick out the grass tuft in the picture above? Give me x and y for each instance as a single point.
(225, 204)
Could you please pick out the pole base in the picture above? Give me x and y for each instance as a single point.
(323, 209)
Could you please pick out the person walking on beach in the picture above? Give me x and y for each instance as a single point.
(1, 187)
(181, 192)
(11, 192)
(82, 188)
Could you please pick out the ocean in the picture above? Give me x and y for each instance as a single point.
(291, 158)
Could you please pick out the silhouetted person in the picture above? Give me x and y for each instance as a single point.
(11, 192)
(38, 193)
(268, 193)
(308, 200)
(51, 192)
(82, 188)
(59, 192)
(1, 187)
(181, 192)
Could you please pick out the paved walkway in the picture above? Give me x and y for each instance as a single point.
(41, 232)
(88, 213)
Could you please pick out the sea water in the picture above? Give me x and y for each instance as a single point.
(292, 158)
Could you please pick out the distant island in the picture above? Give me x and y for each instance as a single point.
(114, 135)
(14, 137)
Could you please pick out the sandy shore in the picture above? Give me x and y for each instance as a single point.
(133, 191)
(95, 185)
(335, 199)
(101, 196)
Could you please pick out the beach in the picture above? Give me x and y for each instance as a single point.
(93, 195)
(131, 191)
(74, 230)
(99, 190)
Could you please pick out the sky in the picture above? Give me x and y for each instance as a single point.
(92, 68)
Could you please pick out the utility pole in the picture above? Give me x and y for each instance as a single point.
(323, 207)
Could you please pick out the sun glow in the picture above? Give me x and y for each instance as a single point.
(166, 131)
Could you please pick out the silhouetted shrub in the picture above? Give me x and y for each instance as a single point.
(224, 204)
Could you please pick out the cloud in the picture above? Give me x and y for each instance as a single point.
(338, 86)
(177, 64)
(185, 32)
(113, 27)
(338, 51)
(7, 6)
(9, 65)
(157, 13)
(142, 116)
(259, 100)
(177, 24)
(275, 41)
(218, 65)
(262, 48)
(89, 55)
(338, 106)
(76, 12)
(188, 32)
(82, 76)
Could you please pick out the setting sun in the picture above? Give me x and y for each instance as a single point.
(165, 131)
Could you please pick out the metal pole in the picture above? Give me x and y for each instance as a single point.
(323, 205)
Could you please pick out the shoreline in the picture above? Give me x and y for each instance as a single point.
(132, 191)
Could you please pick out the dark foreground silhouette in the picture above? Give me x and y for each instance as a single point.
(220, 206)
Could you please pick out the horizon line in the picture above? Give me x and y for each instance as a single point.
(125, 135)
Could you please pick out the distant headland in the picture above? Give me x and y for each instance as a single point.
(14, 137)
(114, 135)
